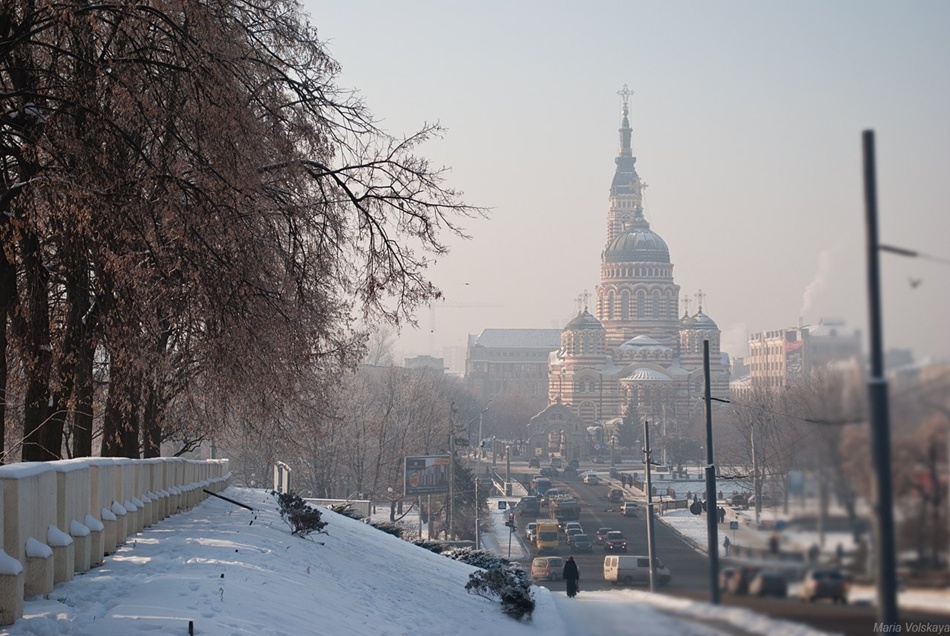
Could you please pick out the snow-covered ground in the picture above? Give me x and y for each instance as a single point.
(228, 570)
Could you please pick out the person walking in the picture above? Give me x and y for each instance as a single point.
(726, 543)
(571, 577)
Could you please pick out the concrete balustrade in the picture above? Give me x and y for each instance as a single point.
(11, 589)
(97, 540)
(59, 518)
(73, 499)
(12, 580)
(64, 554)
(29, 502)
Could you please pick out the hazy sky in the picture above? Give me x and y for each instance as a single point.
(747, 121)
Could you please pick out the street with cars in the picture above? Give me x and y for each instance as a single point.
(819, 599)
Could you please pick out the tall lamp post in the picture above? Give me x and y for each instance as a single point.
(651, 546)
(478, 468)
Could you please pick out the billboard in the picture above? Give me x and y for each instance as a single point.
(427, 475)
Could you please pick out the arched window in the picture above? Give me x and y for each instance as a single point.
(625, 305)
(641, 305)
(610, 306)
(656, 304)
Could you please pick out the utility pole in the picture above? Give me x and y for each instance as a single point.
(712, 510)
(478, 474)
(877, 396)
(449, 533)
(651, 546)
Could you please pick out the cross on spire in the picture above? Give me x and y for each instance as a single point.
(586, 296)
(686, 304)
(699, 299)
(625, 93)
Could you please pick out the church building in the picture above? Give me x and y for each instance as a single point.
(635, 351)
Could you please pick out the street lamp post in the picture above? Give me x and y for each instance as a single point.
(651, 548)
(478, 468)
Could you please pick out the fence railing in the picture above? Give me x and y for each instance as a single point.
(62, 517)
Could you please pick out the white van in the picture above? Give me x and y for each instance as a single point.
(630, 569)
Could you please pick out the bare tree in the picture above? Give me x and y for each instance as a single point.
(185, 187)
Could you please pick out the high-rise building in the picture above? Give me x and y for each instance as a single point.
(781, 357)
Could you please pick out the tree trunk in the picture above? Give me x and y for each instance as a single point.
(85, 389)
(7, 298)
(120, 433)
(39, 435)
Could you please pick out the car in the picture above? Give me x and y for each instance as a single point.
(739, 582)
(591, 479)
(547, 568)
(530, 530)
(615, 542)
(601, 533)
(740, 499)
(549, 471)
(529, 506)
(570, 533)
(556, 462)
(568, 525)
(534, 462)
(629, 508)
(768, 583)
(581, 543)
(574, 464)
(615, 495)
(824, 583)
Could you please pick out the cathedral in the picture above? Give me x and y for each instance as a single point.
(637, 352)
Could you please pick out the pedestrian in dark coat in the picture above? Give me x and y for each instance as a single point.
(571, 576)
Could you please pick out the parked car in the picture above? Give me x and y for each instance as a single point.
(591, 479)
(768, 583)
(629, 508)
(547, 568)
(534, 462)
(600, 535)
(530, 531)
(819, 584)
(615, 542)
(581, 543)
(739, 582)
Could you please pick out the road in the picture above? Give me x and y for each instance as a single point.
(690, 570)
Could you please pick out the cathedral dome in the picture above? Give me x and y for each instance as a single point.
(641, 343)
(637, 244)
(646, 374)
(584, 322)
(702, 321)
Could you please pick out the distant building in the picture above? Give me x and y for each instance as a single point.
(510, 360)
(638, 352)
(782, 357)
(425, 362)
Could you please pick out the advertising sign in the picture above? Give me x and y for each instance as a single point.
(427, 475)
